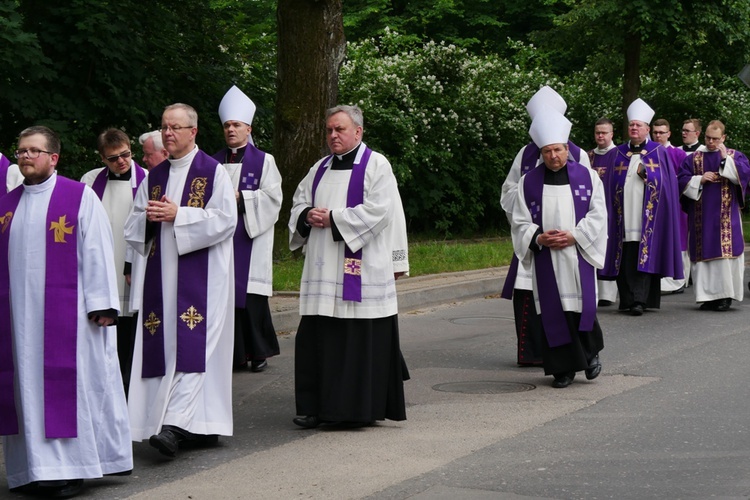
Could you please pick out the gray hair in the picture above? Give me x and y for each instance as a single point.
(352, 112)
(192, 114)
(154, 135)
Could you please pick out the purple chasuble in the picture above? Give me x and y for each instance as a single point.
(678, 156)
(659, 249)
(60, 312)
(715, 217)
(4, 164)
(352, 286)
(529, 160)
(100, 183)
(252, 169)
(192, 279)
(553, 317)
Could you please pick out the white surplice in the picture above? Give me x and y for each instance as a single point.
(117, 201)
(607, 288)
(200, 403)
(377, 226)
(508, 195)
(103, 444)
(262, 208)
(14, 177)
(558, 212)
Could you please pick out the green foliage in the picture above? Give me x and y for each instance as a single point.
(450, 123)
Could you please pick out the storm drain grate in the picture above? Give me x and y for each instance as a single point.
(484, 387)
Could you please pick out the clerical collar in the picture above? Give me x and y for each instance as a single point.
(346, 160)
(184, 161)
(636, 148)
(558, 178)
(692, 147)
(119, 177)
(235, 155)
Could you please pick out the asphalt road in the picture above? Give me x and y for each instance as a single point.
(668, 418)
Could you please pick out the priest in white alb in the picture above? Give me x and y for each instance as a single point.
(63, 415)
(183, 219)
(559, 227)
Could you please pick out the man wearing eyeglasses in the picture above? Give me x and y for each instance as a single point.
(257, 184)
(661, 133)
(63, 415)
(116, 185)
(713, 182)
(183, 219)
(691, 132)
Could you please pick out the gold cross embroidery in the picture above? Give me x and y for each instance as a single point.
(5, 220)
(192, 317)
(61, 228)
(652, 165)
(152, 323)
(619, 168)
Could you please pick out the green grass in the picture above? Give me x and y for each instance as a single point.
(425, 257)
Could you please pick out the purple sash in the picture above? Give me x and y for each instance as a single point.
(252, 170)
(100, 183)
(192, 279)
(4, 164)
(553, 317)
(60, 313)
(352, 286)
(529, 160)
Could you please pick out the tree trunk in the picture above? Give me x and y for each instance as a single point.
(311, 49)
(631, 84)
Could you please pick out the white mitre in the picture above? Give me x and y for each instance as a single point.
(550, 128)
(236, 106)
(546, 99)
(639, 110)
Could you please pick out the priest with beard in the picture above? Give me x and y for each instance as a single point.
(347, 213)
(559, 227)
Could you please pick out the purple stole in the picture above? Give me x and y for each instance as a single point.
(100, 183)
(352, 286)
(252, 169)
(4, 164)
(553, 317)
(529, 160)
(715, 237)
(192, 278)
(659, 248)
(60, 312)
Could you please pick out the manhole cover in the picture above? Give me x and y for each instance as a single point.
(479, 320)
(484, 387)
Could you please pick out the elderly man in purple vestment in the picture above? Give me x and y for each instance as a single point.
(153, 149)
(347, 213)
(518, 282)
(713, 182)
(183, 219)
(257, 184)
(600, 158)
(559, 229)
(661, 133)
(644, 230)
(63, 414)
(116, 185)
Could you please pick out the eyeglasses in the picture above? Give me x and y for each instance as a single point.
(176, 128)
(686, 131)
(711, 139)
(124, 155)
(32, 153)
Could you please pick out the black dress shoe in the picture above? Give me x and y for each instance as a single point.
(563, 380)
(308, 422)
(604, 303)
(258, 366)
(594, 369)
(167, 442)
(724, 305)
(636, 310)
(59, 489)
